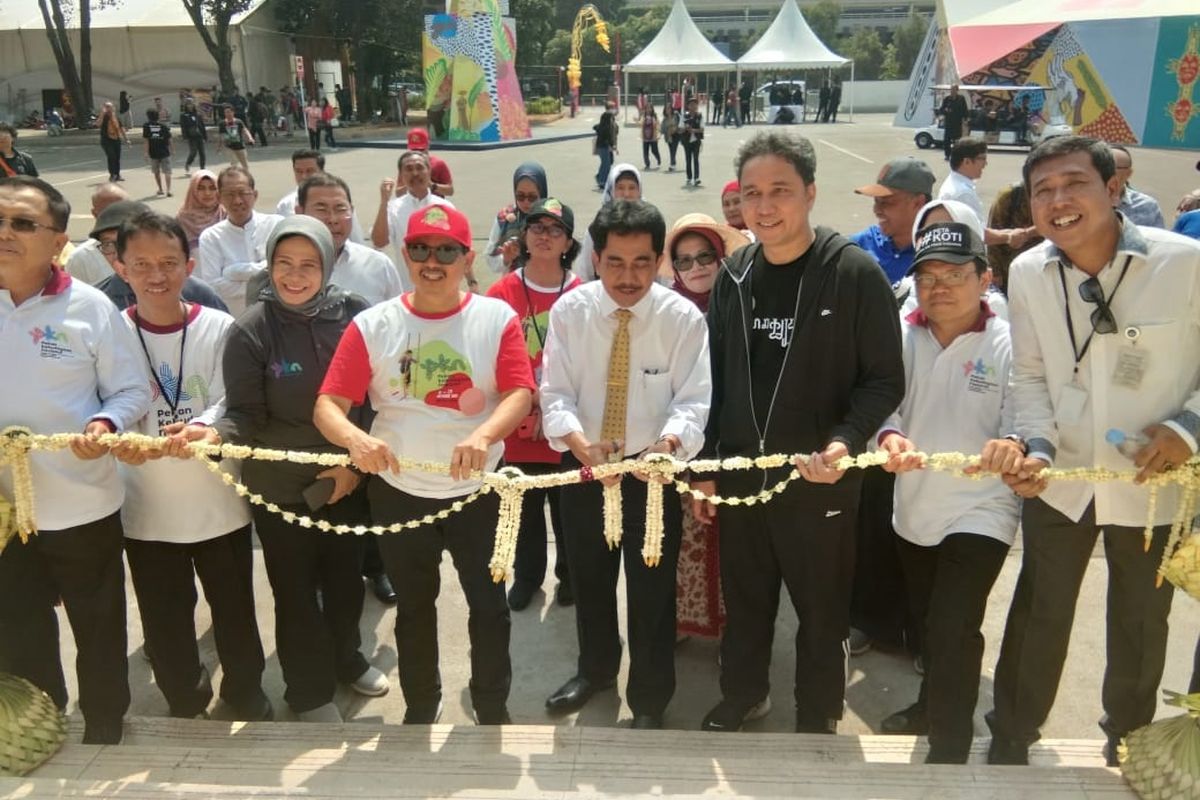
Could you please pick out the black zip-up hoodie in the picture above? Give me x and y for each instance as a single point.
(844, 374)
(275, 361)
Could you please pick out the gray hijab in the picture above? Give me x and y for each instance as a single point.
(315, 231)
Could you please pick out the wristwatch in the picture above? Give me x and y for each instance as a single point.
(1020, 440)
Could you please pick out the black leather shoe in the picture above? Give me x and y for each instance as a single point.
(255, 709)
(103, 732)
(381, 585)
(563, 595)
(1111, 747)
(520, 595)
(1008, 752)
(498, 717)
(647, 722)
(574, 694)
(911, 721)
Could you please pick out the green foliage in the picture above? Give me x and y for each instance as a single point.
(543, 105)
(890, 70)
(535, 26)
(823, 19)
(908, 39)
(866, 50)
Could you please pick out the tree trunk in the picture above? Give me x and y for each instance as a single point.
(219, 47)
(56, 32)
(85, 52)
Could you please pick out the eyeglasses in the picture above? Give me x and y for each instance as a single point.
(1103, 321)
(950, 280)
(337, 212)
(703, 258)
(23, 225)
(108, 248)
(551, 230)
(444, 253)
(521, 197)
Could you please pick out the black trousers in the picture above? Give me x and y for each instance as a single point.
(691, 155)
(673, 147)
(950, 136)
(649, 591)
(413, 560)
(530, 566)
(83, 567)
(1194, 686)
(164, 579)
(1039, 623)
(878, 604)
(314, 139)
(195, 148)
(259, 134)
(112, 154)
(318, 642)
(803, 538)
(948, 587)
(647, 149)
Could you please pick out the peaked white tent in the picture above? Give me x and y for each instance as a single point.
(680, 47)
(789, 44)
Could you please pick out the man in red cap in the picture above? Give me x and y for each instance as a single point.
(442, 182)
(448, 374)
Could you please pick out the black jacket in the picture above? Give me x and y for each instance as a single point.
(191, 125)
(274, 364)
(844, 373)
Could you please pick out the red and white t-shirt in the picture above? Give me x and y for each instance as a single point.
(432, 379)
(532, 304)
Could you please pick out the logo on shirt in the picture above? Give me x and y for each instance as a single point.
(284, 368)
(440, 375)
(779, 329)
(51, 343)
(530, 326)
(981, 376)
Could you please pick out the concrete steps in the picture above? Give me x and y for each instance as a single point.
(166, 758)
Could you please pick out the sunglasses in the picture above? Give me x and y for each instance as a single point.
(444, 253)
(23, 225)
(551, 230)
(1103, 321)
(703, 258)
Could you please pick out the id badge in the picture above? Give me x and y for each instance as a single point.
(1072, 401)
(1132, 362)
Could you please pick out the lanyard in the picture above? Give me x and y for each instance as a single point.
(174, 404)
(1075, 351)
(533, 312)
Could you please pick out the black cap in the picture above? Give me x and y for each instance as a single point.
(116, 215)
(555, 209)
(952, 242)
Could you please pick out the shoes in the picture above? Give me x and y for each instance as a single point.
(1111, 750)
(821, 726)
(499, 717)
(256, 709)
(381, 586)
(1008, 752)
(729, 715)
(103, 732)
(647, 722)
(520, 595)
(859, 642)
(371, 683)
(159, 193)
(687, 183)
(326, 713)
(563, 595)
(574, 694)
(170, 195)
(423, 716)
(936, 756)
(911, 721)
(696, 182)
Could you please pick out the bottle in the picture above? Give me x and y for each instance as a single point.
(1128, 443)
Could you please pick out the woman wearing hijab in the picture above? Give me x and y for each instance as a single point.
(275, 359)
(695, 247)
(624, 183)
(504, 241)
(201, 208)
(543, 275)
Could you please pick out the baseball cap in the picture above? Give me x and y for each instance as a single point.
(906, 174)
(418, 139)
(952, 242)
(733, 187)
(439, 220)
(557, 210)
(116, 215)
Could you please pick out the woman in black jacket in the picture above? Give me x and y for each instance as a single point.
(275, 360)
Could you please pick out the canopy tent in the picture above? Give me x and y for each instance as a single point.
(680, 47)
(789, 44)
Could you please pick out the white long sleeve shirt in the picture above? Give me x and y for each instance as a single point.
(231, 255)
(961, 188)
(369, 273)
(399, 209)
(170, 499)
(670, 381)
(287, 207)
(955, 400)
(1159, 303)
(68, 359)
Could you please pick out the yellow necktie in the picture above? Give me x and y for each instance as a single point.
(616, 397)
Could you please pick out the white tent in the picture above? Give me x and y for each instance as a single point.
(789, 44)
(680, 47)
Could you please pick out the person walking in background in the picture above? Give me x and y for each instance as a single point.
(327, 118)
(258, 116)
(692, 136)
(193, 130)
(670, 132)
(605, 144)
(508, 230)
(124, 108)
(13, 161)
(731, 109)
(835, 100)
(953, 112)
(312, 123)
(112, 136)
(650, 137)
(158, 148)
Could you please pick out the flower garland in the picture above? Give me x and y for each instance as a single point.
(510, 484)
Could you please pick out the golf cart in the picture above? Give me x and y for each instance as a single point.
(1004, 116)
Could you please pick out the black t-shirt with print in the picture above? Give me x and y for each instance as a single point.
(773, 290)
(231, 133)
(159, 135)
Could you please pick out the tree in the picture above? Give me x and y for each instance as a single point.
(823, 18)
(890, 69)
(908, 39)
(218, 13)
(77, 80)
(866, 50)
(535, 26)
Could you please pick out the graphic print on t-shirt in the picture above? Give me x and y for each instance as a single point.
(779, 329)
(439, 375)
(530, 327)
(51, 343)
(193, 396)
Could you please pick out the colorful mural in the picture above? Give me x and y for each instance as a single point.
(471, 88)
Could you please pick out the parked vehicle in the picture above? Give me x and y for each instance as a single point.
(991, 115)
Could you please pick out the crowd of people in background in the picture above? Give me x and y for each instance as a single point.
(1021, 333)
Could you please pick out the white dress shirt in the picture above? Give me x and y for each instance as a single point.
(1158, 302)
(399, 209)
(230, 256)
(368, 273)
(88, 264)
(670, 383)
(287, 207)
(961, 188)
